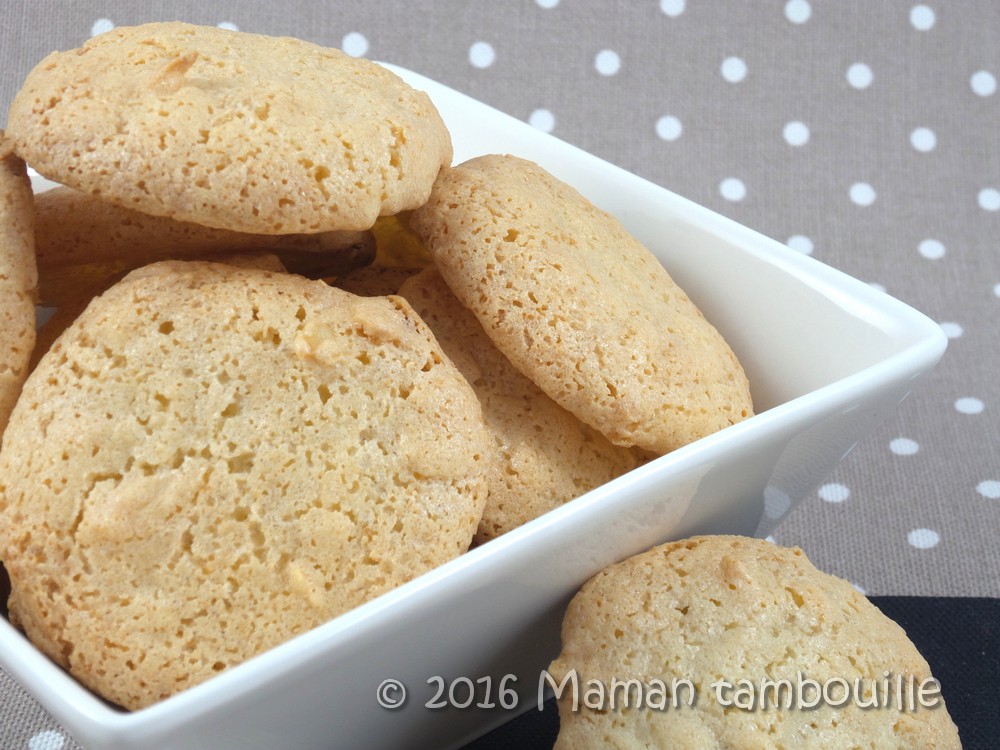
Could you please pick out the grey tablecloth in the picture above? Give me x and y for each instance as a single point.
(865, 134)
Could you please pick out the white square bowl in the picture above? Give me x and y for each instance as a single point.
(828, 358)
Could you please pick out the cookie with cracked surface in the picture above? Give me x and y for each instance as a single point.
(18, 278)
(211, 460)
(728, 609)
(544, 455)
(580, 306)
(239, 131)
(72, 304)
(78, 235)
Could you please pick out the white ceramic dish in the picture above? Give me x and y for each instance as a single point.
(828, 358)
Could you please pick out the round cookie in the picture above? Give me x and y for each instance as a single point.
(18, 278)
(72, 228)
(580, 306)
(270, 135)
(714, 611)
(544, 455)
(374, 281)
(83, 241)
(211, 460)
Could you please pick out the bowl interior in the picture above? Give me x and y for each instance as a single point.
(800, 329)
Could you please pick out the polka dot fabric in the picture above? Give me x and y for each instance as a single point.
(861, 134)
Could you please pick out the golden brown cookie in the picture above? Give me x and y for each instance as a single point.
(211, 460)
(544, 455)
(722, 636)
(18, 278)
(580, 306)
(80, 235)
(73, 301)
(270, 135)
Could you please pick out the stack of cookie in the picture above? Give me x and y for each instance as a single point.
(299, 358)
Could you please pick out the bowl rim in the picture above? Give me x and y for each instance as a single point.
(919, 344)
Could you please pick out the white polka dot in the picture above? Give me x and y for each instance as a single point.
(732, 189)
(996, 290)
(923, 538)
(983, 83)
(770, 539)
(876, 286)
(969, 405)
(547, 4)
(904, 446)
(801, 243)
(101, 25)
(859, 589)
(989, 488)
(923, 140)
(734, 69)
(672, 8)
(931, 249)
(862, 194)
(542, 119)
(776, 502)
(952, 330)
(989, 199)
(834, 493)
(49, 740)
(669, 128)
(607, 62)
(796, 133)
(860, 76)
(482, 55)
(922, 17)
(228, 26)
(797, 11)
(354, 44)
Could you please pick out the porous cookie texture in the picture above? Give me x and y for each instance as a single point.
(211, 460)
(18, 278)
(580, 306)
(724, 609)
(82, 241)
(71, 306)
(239, 131)
(544, 455)
(73, 228)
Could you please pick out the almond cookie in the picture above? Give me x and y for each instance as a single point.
(72, 304)
(544, 455)
(211, 460)
(18, 278)
(83, 242)
(269, 135)
(74, 230)
(722, 636)
(580, 306)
